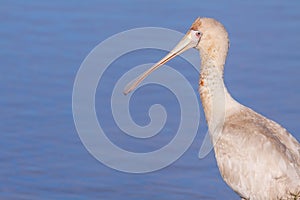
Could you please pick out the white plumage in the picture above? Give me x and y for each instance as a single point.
(256, 157)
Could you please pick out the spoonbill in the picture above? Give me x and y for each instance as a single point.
(257, 157)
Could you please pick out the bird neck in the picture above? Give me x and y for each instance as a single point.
(214, 95)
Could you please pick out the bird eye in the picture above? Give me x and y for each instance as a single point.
(198, 33)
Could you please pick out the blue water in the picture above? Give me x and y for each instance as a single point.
(43, 44)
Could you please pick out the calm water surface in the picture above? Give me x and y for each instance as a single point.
(42, 46)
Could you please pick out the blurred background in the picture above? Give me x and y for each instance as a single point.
(43, 44)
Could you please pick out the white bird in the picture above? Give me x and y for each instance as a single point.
(256, 157)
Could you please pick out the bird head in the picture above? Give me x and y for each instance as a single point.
(207, 35)
(214, 42)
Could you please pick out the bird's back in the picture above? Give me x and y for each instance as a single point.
(257, 157)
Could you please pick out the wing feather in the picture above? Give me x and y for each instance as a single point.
(253, 149)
